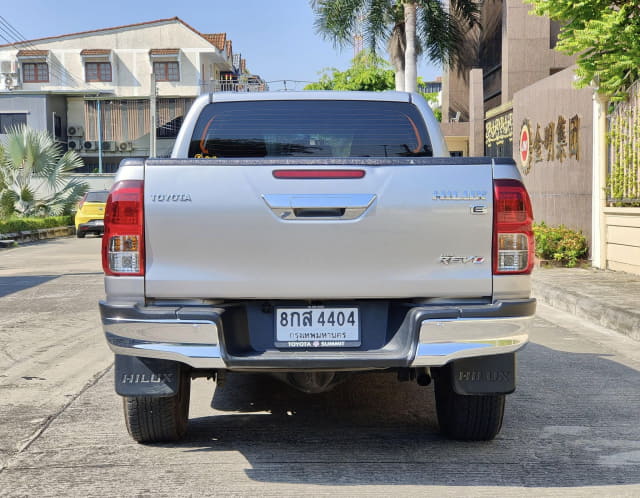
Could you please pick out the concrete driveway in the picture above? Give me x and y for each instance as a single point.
(571, 428)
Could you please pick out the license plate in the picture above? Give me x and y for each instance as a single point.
(317, 328)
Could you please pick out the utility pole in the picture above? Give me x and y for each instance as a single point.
(152, 110)
(99, 136)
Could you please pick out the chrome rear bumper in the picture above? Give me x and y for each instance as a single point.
(430, 337)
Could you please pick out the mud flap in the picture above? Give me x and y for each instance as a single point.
(136, 376)
(484, 375)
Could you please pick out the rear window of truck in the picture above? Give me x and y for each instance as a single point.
(310, 128)
(98, 196)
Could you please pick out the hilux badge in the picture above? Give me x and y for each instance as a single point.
(465, 195)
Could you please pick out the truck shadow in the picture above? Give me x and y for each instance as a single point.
(560, 429)
(10, 285)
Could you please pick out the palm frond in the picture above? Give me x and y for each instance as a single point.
(466, 11)
(336, 19)
(377, 22)
(34, 174)
(442, 35)
(62, 200)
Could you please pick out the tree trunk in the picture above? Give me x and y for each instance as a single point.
(399, 80)
(396, 48)
(410, 57)
(398, 65)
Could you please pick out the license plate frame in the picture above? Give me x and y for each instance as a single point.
(317, 327)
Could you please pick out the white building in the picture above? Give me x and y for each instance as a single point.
(94, 90)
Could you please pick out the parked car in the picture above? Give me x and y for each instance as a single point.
(312, 235)
(90, 214)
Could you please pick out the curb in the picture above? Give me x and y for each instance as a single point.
(11, 239)
(610, 316)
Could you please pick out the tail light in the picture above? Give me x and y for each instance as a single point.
(513, 242)
(123, 240)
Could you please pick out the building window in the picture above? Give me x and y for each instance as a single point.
(166, 71)
(11, 120)
(35, 72)
(98, 71)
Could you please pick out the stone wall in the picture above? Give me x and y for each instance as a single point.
(559, 177)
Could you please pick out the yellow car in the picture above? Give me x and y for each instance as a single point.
(90, 214)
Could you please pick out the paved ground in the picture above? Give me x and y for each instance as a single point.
(50, 342)
(571, 428)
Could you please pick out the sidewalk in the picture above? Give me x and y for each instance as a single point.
(607, 298)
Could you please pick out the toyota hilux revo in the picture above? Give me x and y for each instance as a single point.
(311, 235)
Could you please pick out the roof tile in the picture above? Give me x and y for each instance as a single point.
(164, 51)
(33, 53)
(95, 51)
(217, 39)
(101, 30)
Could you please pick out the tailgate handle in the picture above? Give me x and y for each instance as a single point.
(319, 206)
(319, 212)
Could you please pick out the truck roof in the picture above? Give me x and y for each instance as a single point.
(386, 96)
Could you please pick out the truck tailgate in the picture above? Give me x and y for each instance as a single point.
(233, 230)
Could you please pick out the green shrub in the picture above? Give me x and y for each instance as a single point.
(560, 244)
(13, 225)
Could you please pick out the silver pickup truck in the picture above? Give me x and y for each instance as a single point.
(311, 235)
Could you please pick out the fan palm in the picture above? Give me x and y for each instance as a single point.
(34, 175)
(409, 27)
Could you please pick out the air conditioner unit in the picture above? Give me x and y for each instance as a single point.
(75, 131)
(125, 146)
(75, 144)
(7, 67)
(91, 145)
(11, 81)
(108, 146)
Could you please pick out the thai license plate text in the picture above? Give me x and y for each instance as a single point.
(317, 327)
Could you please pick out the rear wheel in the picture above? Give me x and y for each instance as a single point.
(151, 419)
(466, 418)
(81, 235)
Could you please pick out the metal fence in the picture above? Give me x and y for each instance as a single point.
(623, 179)
(233, 86)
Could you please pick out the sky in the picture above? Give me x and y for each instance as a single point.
(276, 37)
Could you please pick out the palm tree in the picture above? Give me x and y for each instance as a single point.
(34, 175)
(409, 27)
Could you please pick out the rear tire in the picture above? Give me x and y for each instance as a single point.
(151, 419)
(80, 235)
(467, 418)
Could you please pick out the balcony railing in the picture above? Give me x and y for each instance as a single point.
(233, 86)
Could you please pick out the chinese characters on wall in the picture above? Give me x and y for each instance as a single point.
(556, 140)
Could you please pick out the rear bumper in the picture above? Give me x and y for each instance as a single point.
(429, 336)
(92, 226)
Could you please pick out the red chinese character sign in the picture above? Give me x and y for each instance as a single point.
(525, 147)
(557, 144)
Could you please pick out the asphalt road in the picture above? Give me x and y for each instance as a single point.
(572, 428)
